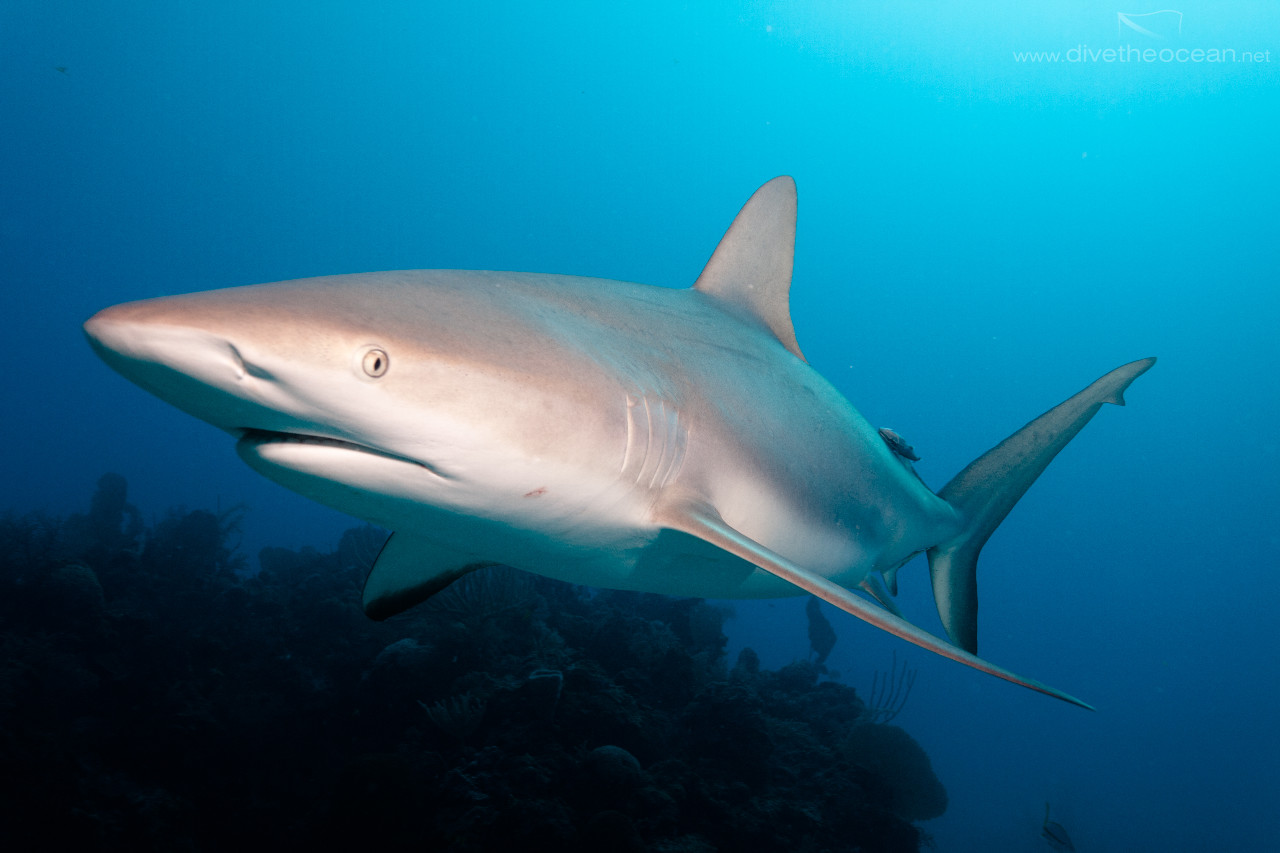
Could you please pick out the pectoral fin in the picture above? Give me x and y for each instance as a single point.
(408, 571)
(703, 521)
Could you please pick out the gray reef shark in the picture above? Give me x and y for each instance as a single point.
(600, 432)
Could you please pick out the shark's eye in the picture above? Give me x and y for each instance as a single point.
(375, 362)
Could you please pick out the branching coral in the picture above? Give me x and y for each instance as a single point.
(484, 594)
(889, 692)
(458, 715)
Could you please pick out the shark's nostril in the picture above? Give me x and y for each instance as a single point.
(237, 361)
(244, 367)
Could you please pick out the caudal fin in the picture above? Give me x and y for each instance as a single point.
(984, 492)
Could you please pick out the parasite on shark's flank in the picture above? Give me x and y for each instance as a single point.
(601, 432)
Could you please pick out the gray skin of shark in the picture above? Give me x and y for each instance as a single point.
(600, 432)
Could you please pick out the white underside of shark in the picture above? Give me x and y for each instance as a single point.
(600, 432)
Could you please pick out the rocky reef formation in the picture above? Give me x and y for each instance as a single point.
(155, 695)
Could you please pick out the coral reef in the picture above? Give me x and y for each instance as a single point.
(157, 696)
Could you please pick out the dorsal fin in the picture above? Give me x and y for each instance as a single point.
(751, 267)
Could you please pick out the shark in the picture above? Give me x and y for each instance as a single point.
(620, 435)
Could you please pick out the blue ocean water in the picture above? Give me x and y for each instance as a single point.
(998, 203)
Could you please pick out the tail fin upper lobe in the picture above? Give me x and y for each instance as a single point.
(985, 491)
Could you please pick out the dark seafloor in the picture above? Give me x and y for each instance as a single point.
(155, 696)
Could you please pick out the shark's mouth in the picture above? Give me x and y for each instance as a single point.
(259, 438)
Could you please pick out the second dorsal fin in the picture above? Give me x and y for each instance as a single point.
(751, 268)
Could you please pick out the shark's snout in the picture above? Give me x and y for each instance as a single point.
(132, 335)
(108, 330)
(190, 367)
(140, 332)
(130, 342)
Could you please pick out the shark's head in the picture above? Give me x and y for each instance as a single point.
(374, 394)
